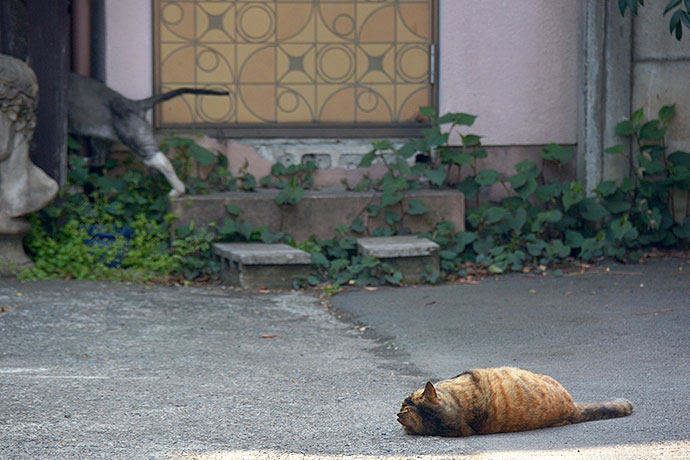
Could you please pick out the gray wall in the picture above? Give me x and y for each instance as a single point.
(628, 63)
(661, 71)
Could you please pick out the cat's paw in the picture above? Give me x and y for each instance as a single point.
(174, 193)
(626, 406)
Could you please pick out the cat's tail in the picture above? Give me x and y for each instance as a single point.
(601, 411)
(145, 104)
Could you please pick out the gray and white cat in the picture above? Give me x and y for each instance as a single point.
(97, 111)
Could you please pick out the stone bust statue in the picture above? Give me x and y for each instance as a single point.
(24, 187)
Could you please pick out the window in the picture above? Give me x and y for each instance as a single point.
(296, 67)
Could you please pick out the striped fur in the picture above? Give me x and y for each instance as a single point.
(498, 400)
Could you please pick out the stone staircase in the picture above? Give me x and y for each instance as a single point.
(319, 213)
(257, 265)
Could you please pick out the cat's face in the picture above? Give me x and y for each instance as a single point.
(419, 413)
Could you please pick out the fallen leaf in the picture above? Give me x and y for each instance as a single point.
(370, 288)
(532, 291)
(665, 310)
(264, 291)
(569, 293)
(267, 336)
(84, 355)
(19, 294)
(363, 328)
(468, 280)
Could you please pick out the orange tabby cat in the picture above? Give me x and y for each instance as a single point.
(498, 400)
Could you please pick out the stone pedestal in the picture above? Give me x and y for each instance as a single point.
(12, 255)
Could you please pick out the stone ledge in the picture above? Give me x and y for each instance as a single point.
(255, 265)
(319, 212)
(396, 246)
(409, 255)
(259, 253)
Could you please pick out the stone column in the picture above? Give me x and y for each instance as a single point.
(24, 187)
(606, 91)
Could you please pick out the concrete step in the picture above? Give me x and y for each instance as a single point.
(255, 265)
(410, 255)
(319, 212)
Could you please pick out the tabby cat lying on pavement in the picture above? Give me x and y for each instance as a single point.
(498, 400)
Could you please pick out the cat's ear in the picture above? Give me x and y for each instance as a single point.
(430, 393)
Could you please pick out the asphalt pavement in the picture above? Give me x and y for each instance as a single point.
(97, 370)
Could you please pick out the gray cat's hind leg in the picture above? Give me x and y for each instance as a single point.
(135, 132)
(162, 164)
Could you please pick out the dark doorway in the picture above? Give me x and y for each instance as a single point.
(38, 32)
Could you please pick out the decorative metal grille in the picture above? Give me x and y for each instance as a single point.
(292, 61)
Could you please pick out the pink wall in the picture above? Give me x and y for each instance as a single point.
(515, 63)
(128, 48)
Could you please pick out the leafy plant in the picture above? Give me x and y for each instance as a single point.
(62, 241)
(203, 171)
(291, 181)
(544, 222)
(679, 18)
(336, 262)
(421, 161)
(648, 198)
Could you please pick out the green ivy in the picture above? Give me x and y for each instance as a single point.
(541, 224)
(544, 223)
(189, 158)
(679, 18)
(61, 246)
(421, 162)
(336, 262)
(290, 180)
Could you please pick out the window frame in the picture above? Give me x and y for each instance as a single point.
(307, 129)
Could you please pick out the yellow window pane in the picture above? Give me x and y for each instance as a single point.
(294, 61)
